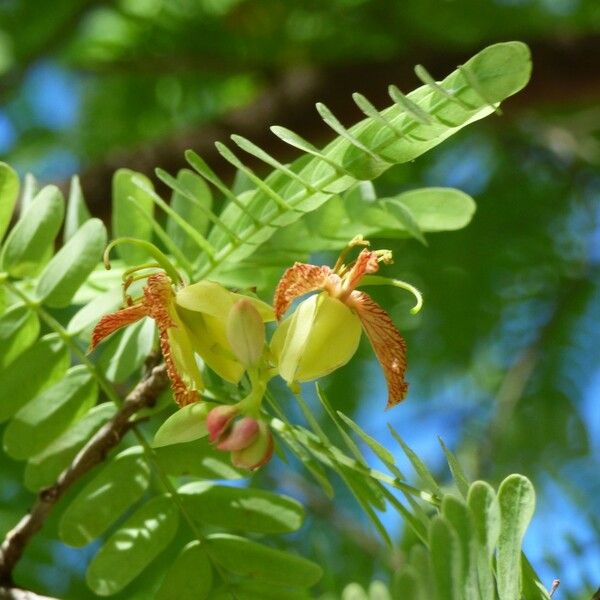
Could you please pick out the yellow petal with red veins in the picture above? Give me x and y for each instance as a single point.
(388, 344)
(297, 281)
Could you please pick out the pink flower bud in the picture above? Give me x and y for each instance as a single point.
(240, 435)
(218, 420)
(258, 453)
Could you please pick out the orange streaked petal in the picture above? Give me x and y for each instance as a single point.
(181, 393)
(110, 323)
(158, 298)
(388, 344)
(365, 263)
(297, 281)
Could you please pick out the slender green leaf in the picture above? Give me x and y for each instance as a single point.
(185, 425)
(19, 328)
(50, 413)
(533, 588)
(459, 516)
(385, 455)
(462, 483)
(243, 509)
(516, 498)
(190, 577)
(193, 211)
(23, 379)
(251, 559)
(484, 507)
(119, 485)
(43, 469)
(126, 350)
(77, 211)
(398, 211)
(129, 550)
(72, 264)
(9, 192)
(419, 466)
(446, 560)
(29, 243)
(406, 584)
(126, 221)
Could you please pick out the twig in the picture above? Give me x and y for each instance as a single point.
(93, 453)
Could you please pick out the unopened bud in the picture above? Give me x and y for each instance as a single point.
(258, 453)
(240, 435)
(246, 332)
(218, 420)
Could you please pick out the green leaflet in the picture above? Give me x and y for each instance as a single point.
(129, 550)
(446, 559)
(86, 318)
(71, 265)
(50, 413)
(126, 221)
(9, 192)
(483, 504)
(43, 469)
(127, 350)
(194, 212)
(458, 475)
(197, 459)
(241, 509)
(406, 584)
(189, 577)
(257, 561)
(19, 328)
(22, 380)
(29, 244)
(184, 425)
(120, 484)
(362, 152)
(516, 498)
(459, 516)
(77, 210)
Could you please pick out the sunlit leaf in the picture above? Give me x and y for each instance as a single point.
(9, 192)
(129, 550)
(119, 484)
(19, 328)
(257, 561)
(243, 509)
(189, 577)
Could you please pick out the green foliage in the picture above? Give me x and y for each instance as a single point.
(138, 506)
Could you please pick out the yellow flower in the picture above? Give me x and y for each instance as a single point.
(324, 331)
(192, 320)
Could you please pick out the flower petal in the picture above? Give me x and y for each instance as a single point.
(366, 263)
(110, 323)
(388, 344)
(297, 281)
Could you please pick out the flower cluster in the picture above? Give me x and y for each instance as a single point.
(207, 325)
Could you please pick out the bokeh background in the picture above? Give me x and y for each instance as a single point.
(504, 358)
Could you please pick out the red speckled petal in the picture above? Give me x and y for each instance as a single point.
(388, 344)
(297, 281)
(365, 263)
(110, 323)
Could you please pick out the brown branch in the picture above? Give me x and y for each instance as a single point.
(93, 453)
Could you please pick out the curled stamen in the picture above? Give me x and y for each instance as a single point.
(163, 262)
(339, 266)
(379, 280)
